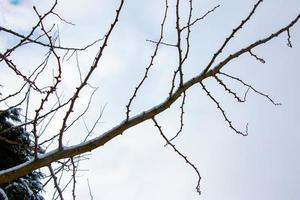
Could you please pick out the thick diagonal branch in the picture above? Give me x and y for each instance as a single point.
(67, 152)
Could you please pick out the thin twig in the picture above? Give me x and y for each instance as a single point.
(200, 18)
(223, 112)
(251, 87)
(229, 90)
(257, 58)
(55, 182)
(180, 154)
(150, 63)
(234, 31)
(181, 117)
(289, 43)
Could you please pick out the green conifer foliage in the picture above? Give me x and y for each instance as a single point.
(15, 149)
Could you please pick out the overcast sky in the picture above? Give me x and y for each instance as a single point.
(136, 165)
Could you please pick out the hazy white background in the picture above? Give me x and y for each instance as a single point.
(264, 165)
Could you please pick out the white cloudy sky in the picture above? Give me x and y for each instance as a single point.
(264, 165)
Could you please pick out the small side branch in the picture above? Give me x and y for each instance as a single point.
(74, 170)
(51, 90)
(162, 43)
(252, 88)
(237, 54)
(239, 99)
(179, 45)
(180, 154)
(257, 58)
(62, 19)
(36, 41)
(13, 67)
(223, 112)
(90, 191)
(289, 43)
(200, 18)
(234, 31)
(88, 75)
(150, 64)
(181, 117)
(56, 185)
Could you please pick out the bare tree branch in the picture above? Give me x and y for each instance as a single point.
(151, 61)
(223, 112)
(63, 160)
(180, 154)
